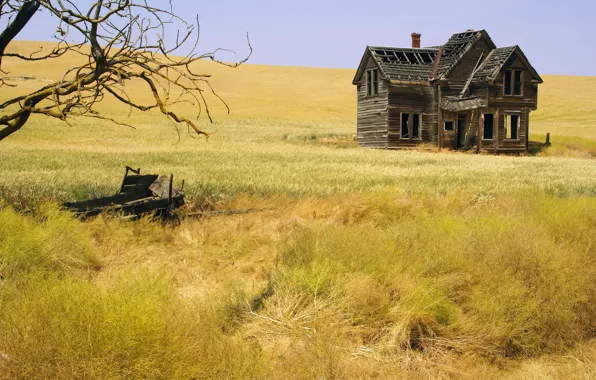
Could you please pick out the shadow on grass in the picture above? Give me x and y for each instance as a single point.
(334, 140)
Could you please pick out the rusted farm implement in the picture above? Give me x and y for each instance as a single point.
(140, 194)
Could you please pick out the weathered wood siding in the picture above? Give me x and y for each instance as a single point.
(529, 97)
(416, 99)
(514, 104)
(460, 73)
(372, 117)
(499, 143)
(449, 137)
(379, 116)
(469, 129)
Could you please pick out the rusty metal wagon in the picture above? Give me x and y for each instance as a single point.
(147, 194)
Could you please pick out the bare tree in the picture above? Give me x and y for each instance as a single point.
(121, 40)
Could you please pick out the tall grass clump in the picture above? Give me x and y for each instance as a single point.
(46, 240)
(60, 320)
(135, 326)
(507, 277)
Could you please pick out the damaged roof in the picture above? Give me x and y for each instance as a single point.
(457, 104)
(494, 62)
(412, 64)
(404, 64)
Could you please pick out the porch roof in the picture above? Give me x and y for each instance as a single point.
(457, 104)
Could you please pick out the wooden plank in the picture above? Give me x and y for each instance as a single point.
(497, 128)
(440, 123)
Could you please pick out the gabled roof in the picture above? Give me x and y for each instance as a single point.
(494, 62)
(404, 63)
(410, 64)
(457, 46)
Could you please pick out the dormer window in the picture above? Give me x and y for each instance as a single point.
(372, 82)
(513, 83)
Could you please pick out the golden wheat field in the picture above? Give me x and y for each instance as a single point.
(362, 263)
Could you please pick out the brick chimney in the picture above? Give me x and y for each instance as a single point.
(416, 40)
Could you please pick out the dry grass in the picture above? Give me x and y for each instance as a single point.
(367, 264)
(352, 286)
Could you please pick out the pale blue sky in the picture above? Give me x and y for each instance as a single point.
(559, 37)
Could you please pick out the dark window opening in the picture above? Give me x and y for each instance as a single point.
(375, 82)
(461, 130)
(489, 126)
(427, 58)
(416, 126)
(507, 82)
(405, 121)
(372, 82)
(512, 126)
(513, 82)
(449, 125)
(410, 125)
(517, 82)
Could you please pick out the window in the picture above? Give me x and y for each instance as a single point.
(513, 82)
(415, 126)
(405, 121)
(508, 82)
(489, 126)
(511, 127)
(517, 82)
(448, 125)
(372, 82)
(410, 123)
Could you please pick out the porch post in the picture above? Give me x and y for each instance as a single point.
(498, 124)
(527, 129)
(479, 132)
(440, 118)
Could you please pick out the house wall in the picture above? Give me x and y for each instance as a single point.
(504, 104)
(411, 98)
(458, 76)
(529, 99)
(470, 129)
(379, 117)
(371, 130)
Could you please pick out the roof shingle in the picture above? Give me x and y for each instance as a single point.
(493, 63)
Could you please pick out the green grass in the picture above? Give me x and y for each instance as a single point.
(266, 159)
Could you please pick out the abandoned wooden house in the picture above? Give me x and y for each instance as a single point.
(466, 94)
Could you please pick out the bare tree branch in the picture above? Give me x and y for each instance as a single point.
(126, 39)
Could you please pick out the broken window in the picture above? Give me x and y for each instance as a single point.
(372, 82)
(410, 125)
(513, 82)
(416, 126)
(405, 121)
(511, 127)
(489, 126)
(448, 125)
(508, 82)
(517, 82)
